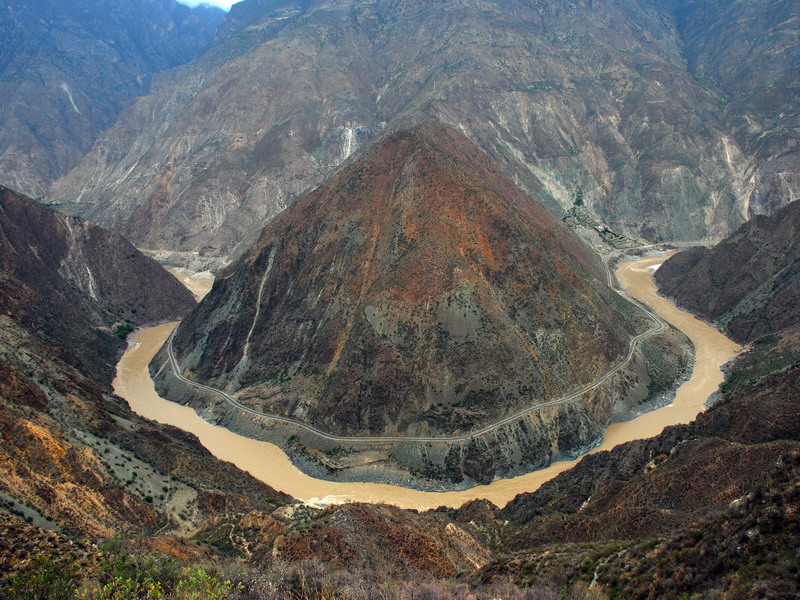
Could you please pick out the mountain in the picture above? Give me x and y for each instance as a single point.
(695, 510)
(749, 283)
(69, 67)
(73, 457)
(748, 52)
(78, 287)
(418, 292)
(612, 99)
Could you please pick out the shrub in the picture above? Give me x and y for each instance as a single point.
(43, 579)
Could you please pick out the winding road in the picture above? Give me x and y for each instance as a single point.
(658, 326)
(270, 464)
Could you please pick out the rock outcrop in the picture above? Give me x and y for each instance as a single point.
(748, 52)
(749, 283)
(589, 97)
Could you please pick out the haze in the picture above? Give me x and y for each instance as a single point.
(223, 4)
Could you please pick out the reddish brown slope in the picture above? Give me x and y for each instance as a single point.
(418, 289)
(749, 282)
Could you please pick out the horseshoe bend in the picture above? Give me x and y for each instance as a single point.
(420, 295)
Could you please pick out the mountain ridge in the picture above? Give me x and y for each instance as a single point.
(79, 287)
(561, 102)
(748, 283)
(69, 67)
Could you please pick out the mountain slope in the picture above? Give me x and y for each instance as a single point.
(68, 67)
(75, 285)
(417, 286)
(749, 283)
(588, 96)
(73, 457)
(749, 51)
(709, 507)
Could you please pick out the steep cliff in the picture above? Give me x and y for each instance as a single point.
(590, 96)
(80, 288)
(68, 67)
(749, 283)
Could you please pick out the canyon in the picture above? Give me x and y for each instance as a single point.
(271, 465)
(433, 230)
(641, 107)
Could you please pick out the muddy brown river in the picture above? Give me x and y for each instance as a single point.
(269, 464)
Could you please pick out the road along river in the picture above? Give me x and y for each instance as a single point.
(269, 464)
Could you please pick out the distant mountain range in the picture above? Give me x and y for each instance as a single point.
(674, 120)
(69, 67)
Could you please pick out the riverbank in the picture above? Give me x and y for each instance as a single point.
(268, 463)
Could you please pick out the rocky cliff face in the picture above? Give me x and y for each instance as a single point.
(591, 96)
(749, 52)
(76, 285)
(418, 291)
(749, 283)
(68, 67)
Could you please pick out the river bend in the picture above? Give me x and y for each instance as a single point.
(269, 464)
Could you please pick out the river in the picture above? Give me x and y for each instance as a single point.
(269, 464)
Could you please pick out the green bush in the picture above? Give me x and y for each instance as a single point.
(43, 579)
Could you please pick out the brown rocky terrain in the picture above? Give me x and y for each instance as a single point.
(73, 457)
(419, 293)
(705, 508)
(418, 286)
(78, 287)
(399, 542)
(615, 98)
(68, 67)
(749, 283)
(709, 507)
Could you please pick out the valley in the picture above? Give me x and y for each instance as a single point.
(271, 465)
(399, 300)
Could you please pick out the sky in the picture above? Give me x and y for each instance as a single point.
(223, 4)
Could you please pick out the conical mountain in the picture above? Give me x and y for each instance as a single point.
(418, 291)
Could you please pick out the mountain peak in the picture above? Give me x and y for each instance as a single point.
(418, 290)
